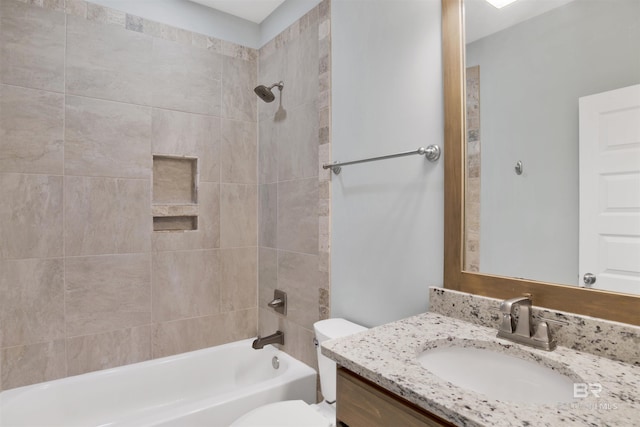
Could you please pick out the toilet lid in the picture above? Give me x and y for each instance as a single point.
(290, 413)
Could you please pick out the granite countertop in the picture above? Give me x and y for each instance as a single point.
(386, 355)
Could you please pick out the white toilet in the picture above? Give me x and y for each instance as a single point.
(297, 413)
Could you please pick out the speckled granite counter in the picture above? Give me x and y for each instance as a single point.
(386, 355)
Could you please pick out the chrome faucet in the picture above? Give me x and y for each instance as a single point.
(522, 331)
(260, 342)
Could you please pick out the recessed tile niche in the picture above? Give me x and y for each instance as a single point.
(175, 193)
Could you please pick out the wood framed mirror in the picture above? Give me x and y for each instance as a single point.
(597, 303)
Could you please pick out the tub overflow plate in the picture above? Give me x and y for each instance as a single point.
(275, 362)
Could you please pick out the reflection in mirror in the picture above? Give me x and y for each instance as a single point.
(533, 83)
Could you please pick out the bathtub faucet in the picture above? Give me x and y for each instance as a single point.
(277, 338)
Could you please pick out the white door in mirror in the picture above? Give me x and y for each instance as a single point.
(610, 189)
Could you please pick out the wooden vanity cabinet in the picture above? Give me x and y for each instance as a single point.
(361, 403)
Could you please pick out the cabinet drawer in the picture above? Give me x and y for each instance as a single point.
(361, 403)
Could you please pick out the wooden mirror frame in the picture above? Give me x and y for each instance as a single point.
(603, 304)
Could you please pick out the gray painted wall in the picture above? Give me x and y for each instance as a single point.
(531, 76)
(387, 216)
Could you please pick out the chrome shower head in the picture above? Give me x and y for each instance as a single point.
(265, 93)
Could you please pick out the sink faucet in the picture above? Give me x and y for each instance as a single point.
(276, 338)
(522, 331)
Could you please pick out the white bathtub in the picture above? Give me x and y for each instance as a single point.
(210, 387)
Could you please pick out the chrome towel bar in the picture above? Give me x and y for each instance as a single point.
(432, 153)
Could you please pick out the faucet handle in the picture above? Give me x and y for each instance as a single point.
(543, 335)
(279, 302)
(276, 302)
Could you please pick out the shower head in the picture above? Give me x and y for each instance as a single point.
(265, 93)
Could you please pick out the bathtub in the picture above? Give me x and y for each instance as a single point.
(210, 387)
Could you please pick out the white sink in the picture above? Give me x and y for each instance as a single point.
(498, 375)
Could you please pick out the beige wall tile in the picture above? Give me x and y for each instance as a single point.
(54, 4)
(267, 215)
(324, 10)
(166, 32)
(134, 23)
(180, 336)
(234, 50)
(298, 143)
(31, 127)
(30, 364)
(106, 15)
(239, 152)
(94, 352)
(238, 278)
(302, 69)
(238, 215)
(32, 42)
(107, 293)
(267, 276)
(268, 322)
(207, 236)
(185, 78)
(298, 215)
(324, 234)
(300, 343)
(107, 216)
(185, 284)
(108, 62)
(76, 7)
(192, 135)
(324, 157)
(30, 216)
(268, 132)
(104, 138)
(239, 77)
(237, 325)
(298, 276)
(31, 301)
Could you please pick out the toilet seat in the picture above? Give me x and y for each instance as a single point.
(290, 413)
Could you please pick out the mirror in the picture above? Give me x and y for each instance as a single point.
(546, 292)
(528, 66)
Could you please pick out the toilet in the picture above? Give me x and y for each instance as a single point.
(297, 413)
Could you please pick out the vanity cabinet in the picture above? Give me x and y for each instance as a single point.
(361, 403)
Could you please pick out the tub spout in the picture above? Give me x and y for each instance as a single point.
(260, 342)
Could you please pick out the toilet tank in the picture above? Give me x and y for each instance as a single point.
(327, 330)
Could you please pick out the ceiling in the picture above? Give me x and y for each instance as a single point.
(482, 19)
(251, 10)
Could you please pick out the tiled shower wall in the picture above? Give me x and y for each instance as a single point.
(294, 190)
(87, 95)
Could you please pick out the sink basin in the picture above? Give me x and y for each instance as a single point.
(498, 375)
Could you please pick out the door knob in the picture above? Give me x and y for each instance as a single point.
(589, 279)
